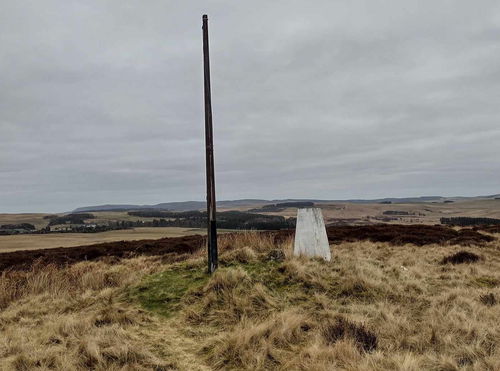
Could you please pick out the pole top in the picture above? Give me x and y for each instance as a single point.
(205, 16)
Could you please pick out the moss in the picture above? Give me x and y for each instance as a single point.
(167, 292)
(270, 274)
(162, 292)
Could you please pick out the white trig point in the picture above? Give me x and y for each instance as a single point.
(310, 234)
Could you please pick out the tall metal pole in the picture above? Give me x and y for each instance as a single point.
(211, 209)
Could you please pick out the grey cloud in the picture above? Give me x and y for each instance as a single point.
(101, 102)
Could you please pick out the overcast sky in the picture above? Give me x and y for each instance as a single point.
(102, 101)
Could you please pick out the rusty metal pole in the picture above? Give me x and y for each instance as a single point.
(211, 207)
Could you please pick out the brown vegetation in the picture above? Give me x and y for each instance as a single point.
(53, 240)
(488, 228)
(461, 257)
(376, 306)
(171, 247)
(341, 328)
(400, 234)
(488, 299)
(167, 247)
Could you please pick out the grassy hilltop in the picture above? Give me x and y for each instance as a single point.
(377, 305)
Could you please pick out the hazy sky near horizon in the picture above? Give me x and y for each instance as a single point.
(102, 101)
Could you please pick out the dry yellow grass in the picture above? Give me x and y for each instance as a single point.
(425, 316)
(374, 307)
(70, 318)
(75, 318)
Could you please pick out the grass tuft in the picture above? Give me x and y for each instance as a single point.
(461, 257)
(488, 299)
(341, 328)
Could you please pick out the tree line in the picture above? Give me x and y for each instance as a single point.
(469, 221)
(198, 219)
(78, 218)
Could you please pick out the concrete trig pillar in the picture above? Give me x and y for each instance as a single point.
(310, 234)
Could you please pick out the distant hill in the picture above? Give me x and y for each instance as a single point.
(201, 205)
(172, 206)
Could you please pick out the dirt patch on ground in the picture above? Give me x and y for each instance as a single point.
(461, 257)
(171, 248)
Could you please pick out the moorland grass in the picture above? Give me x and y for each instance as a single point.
(373, 307)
